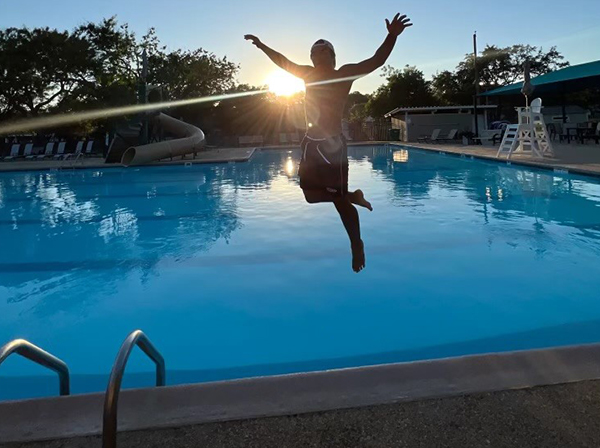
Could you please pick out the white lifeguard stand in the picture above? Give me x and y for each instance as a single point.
(530, 136)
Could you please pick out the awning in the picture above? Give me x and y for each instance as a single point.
(436, 109)
(569, 79)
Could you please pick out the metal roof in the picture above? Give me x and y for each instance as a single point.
(572, 78)
(435, 109)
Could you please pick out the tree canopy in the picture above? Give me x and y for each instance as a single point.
(496, 67)
(98, 65)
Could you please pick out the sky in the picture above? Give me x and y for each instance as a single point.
(441, 35)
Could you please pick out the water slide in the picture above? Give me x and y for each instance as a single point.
(189, 139)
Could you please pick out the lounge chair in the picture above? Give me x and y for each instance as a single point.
(434, 136)
(14, 152)
(89, 148)
(560, 132)
(592, 134)
(60, 152)
(490, 135)
(28, 152)
(244, 140)
(295, 137)
(449, 138)
(283, 139)
(251, 140)
(552, 132)
(47, 152)
(78, 150)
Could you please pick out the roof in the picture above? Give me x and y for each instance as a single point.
(434, 109)
(576, 76)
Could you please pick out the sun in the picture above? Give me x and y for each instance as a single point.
(283, 84)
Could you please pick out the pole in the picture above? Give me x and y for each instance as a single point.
(476, 97)
(143, 97)
(563, 103)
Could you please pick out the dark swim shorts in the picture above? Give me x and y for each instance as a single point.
(324, 165)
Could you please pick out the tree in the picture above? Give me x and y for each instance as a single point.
(356, 106)
(448, 89)
(115, 65)
(192, 73)
(99, 65)
(406, 87)
(262, 113)
(496, 67)
(39, 68)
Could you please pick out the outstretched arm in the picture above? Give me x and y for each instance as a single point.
(395, 28)
(301, 71)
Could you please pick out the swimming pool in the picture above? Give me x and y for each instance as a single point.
(231, 274)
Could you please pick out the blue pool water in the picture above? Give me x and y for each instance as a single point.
(231, 274)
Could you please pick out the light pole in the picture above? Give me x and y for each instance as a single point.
(476, 97)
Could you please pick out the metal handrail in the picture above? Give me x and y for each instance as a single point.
(109, 426)
(34, 353)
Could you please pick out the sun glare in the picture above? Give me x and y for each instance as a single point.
(283, 84)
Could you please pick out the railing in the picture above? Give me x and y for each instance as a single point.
(41, 357)
(109, 427)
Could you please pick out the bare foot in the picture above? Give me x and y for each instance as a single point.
(358, 198)
(358, 257)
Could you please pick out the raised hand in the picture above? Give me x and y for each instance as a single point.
(398, 25)
(255, 40)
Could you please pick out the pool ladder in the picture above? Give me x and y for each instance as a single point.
(111, 397)
(34, 353)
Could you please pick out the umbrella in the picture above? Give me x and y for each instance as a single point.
(527, 88)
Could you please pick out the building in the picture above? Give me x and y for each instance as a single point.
(415, 122)
(575, 114)
(555, 86)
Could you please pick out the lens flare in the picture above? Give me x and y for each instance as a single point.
(52, 121)
(34, 124)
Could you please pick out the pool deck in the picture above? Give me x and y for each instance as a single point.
(563, 416)
(534, 398)
(213, 155)
(575, 158)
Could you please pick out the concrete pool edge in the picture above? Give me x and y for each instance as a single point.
(562, 168)
(12, 167)
(177, 406)
(457, 152)
(213, 156)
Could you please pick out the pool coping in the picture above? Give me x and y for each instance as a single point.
(184, 405)
(457, 152)
(217, 156)
(452, 151)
